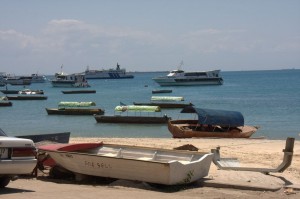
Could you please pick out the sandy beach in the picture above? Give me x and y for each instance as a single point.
(218, 184)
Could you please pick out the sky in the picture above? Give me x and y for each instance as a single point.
(39, 36)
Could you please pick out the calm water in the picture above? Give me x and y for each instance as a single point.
(269, 99)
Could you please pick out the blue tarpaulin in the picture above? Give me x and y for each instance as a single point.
(216, 117)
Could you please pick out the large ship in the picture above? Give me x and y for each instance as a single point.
(117, 73)
(181, 78)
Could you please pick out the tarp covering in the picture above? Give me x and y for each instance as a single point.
(76, 104)
(166, 98)
(216, 117)
(138, 108)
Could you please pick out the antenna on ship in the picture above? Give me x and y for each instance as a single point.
(61, 69)
(118, 66)
(181, 63)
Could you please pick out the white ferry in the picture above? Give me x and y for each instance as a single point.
(72, 80)
(117, 73)
(181, 78)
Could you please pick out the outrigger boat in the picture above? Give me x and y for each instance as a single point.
(211, 123)
(153, 165)
(75, 108)
(138, 118)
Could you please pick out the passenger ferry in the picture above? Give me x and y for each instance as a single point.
(181, 78)
(117, 73)
(72, 80)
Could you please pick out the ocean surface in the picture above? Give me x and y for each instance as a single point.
(269, 99)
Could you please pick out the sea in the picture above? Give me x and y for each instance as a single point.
(269, 99)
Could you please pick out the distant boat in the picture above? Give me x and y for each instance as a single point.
(138, 117)
(211, 123)
(72, 80)
(53, 137)
(10, 91)
(152, 165)
(17, 81)
(27, 97)
(75, 108)
(78, 91)
(31, 92)
(4, 102)
(181, 78)
(35, 78)
(165, 102)
(117, 73)
(161, 91)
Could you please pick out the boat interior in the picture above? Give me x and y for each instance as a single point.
(144, 154)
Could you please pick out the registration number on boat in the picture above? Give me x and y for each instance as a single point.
(3, 153)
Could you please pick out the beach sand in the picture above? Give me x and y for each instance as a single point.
(218, 184)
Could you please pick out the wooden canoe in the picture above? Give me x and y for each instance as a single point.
(27, 97)
(78, 91)
(191, 128)
(131, 119)
(74, 111)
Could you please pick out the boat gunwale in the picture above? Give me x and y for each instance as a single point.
(202, 155)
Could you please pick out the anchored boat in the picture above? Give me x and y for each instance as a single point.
(141, 115)
(211, 123)
(182, 78)
(75, 108)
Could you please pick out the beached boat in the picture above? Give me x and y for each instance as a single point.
(72, 80)
(161, 91)
(165, 102)
(211, 123)
(152, 165)
(139, 116)
(117, 73)
(75, 108)
(27, 97)
(181, 78)
(53, 137)
(78, 91)
(31, 92)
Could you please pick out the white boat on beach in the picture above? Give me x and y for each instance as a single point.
(182, 78)
(117, 73)
(153, 165)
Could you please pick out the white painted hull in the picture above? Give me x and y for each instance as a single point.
(187, 82)
(167, 167)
